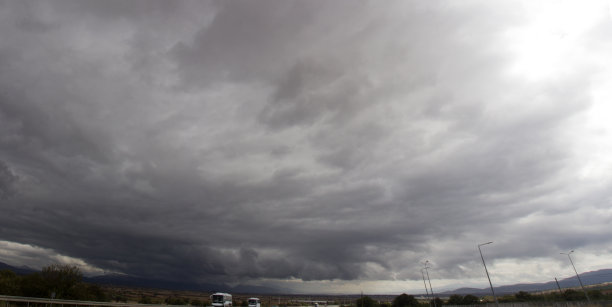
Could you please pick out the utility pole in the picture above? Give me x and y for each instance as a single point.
(487, 271)
(424, 284)
(558, 285)
(433, 297)
(578, 276)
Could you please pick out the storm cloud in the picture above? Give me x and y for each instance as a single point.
(268, 141)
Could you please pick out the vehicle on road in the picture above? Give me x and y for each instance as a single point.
(221, 299)
(254, 302)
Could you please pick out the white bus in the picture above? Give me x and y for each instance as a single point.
(254, 302)
(221, 299)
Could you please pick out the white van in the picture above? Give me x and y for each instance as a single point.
(221, 299)
(254, 302)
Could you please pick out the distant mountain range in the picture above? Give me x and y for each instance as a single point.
(141, 282)
(588, 278)
(18, 270)
(131, 281)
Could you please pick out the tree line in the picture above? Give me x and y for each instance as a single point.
(54, 281)
(405, 300)
(567, 295)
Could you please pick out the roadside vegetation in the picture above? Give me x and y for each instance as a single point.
(569, 295)
(54, 281)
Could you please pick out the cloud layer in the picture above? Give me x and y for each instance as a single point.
(315, 141)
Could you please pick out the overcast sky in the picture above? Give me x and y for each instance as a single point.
(321, 146)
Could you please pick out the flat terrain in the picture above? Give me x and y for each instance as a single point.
(156, 296)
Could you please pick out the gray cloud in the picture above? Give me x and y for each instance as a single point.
(236, 141)
(8, 181)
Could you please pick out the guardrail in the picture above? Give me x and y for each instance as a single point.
(47, 302)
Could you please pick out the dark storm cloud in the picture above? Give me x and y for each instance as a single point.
(254, 41)
(233, 141)
(8, 181)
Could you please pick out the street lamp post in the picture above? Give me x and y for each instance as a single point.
(433, 297)
(424, 284)
(486, 271)
(578, 276)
